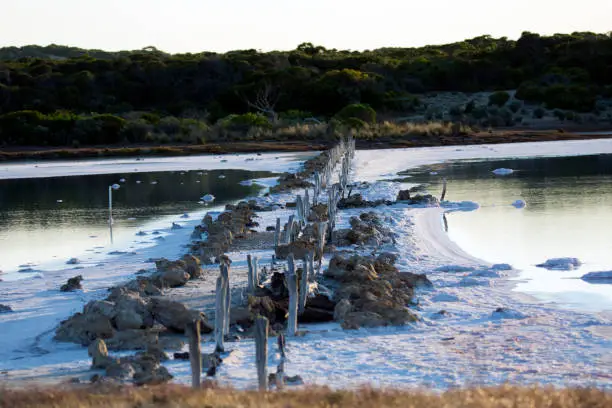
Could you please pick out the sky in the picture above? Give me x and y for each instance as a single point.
(179, 26)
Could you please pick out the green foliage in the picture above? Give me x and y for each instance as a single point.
(539, 113)
(244, 121)
(568, 72)
(360, 111)
(515, 106)
(499, 98)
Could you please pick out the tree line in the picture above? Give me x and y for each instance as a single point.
(61, 95)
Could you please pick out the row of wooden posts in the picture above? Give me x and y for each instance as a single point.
(344, 152)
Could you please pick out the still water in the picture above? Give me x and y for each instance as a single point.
(568, 214)
(46, 221)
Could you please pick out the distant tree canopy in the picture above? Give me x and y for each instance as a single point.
(565, 71)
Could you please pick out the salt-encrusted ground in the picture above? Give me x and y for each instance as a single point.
(472, 343)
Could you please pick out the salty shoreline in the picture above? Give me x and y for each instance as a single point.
(479, 352)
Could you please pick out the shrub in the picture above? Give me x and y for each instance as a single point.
(359, 111)
(559, 114)
(499, 98)
(538, 113)
(244, 121)
(515, 106)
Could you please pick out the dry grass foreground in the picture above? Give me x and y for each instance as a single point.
(179, 396)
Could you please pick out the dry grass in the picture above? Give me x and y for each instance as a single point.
(177, 396)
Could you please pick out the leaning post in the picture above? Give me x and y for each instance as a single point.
(195, 352)
(261, 351)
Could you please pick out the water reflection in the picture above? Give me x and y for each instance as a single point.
(567, 214)
(54, 218)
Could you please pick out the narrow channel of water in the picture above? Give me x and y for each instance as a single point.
(44, 222)
(568, 214)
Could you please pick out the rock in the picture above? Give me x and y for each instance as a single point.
(342, 309)
(316, 315)
(270, 228)
(84, 328)
(427, 200)
(170, 274)
(241, 315)
(403, 195)
(181, 356)
(416, 280)
(5, 308)
(318, 213)
(72, 284)
(561, 264)
(299, 249)
(175, 315)
(264, 306)
(132, 340)
(357, 201)
(355, 320)
(73, 261)
(99, 354)
(132, 312)
(120, 370)
(159, 375)
(193, 267)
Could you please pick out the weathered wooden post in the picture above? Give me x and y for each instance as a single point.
(322, 229)
(299, 205)
(227, 295)
(277, 232)
(289, 232)
(195, 352)
(261, 351)
(293, 297)
(311, 270)
(303, 287)
(307, 199)
(280, 370)
(255, 261)
(250, 275)
(219, 315)
(443, 189)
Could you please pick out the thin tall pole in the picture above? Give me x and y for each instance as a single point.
(110, 211)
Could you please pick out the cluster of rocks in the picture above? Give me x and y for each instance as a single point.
(234, 223)
(5, 308)
(318, 213)
(425, 199)
(367, 229)
(371, 292)
(130, 319)
(144, 368)
(290, 181)
(357, 201)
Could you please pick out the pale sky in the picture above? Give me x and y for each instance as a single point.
(193, 26)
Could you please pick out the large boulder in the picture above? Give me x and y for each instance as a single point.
(84, 328)
(132, 312)
(192, 266)
(176, 316)
(99, 354)
(355, 320)
(170, 273)
(342, 309)
(132, 340)
(274, 311)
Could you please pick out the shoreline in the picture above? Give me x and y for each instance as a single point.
(22, 154)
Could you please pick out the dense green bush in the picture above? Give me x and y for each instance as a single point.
(499, 98)
(244, 121)
(359, 111)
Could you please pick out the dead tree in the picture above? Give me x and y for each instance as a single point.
(265, 101)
